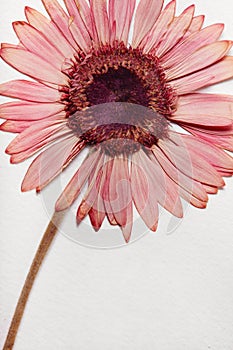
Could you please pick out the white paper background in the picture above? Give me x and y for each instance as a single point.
(163, 292)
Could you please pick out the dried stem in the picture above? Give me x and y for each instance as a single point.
(35, 266)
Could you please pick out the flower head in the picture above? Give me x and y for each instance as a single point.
(93, 89)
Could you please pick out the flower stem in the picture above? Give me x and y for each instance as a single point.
(35, 266)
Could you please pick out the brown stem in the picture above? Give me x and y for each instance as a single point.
(35, 266)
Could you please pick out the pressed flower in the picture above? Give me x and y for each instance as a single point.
(94, 89)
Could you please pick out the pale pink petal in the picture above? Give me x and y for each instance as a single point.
(165, 190)
(194, 42)
(37, 43)
(12, 46)
(102, 180)
(100, 16)
(216, 73)
(113, 33)
(81, 9)
(200, 59)
(127, 229)
(35, 134)
(188, 184)
(221, 139)
(175, 32)
(119, 190)
(104, 190)
(29, 91)
(210, 189)
(75, 151)
(29, 110)
(81, 37)
(225, 173)
(30, 64)
(206, 104)
(48, 164)
(203, 120)
(97, 212)
(35, 148)
(146, 15)
(92, 190)
(159, 29)
(81, 15)
(120, 15)
(72, 190)
(143, 196)
(49, 29)
(59, 18)
(17, 126)
(192, 200)
(189, 162)
(111, 219)
(195, 26)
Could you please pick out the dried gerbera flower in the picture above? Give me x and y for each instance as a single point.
(92, 89)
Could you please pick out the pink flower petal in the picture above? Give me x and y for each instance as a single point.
(159, 29)
(35, 148)
(92, 190)
(38, 44)
(195, 26)
(97, 212)
(35, 134)
(165, 190)
(194, 189)
(17, 126)
(121, 14)
(29, 91)
(127, 229)
(217, 138)
(210, 189)
(80, 10)
(200, 59)
(119, 190)
(203, 120)
(59, 18)
(192, 200)
(100, 16)
(104, 190)
(194, 42)
(206, 104)
(48, 165)
(175, 32)
(73, 189)
(80, 36)
(14, 126)
(29, 110)
(77, 26)
(12, 46)
(49, 29)
(30, 64)
(146, 15)
(224, 173)
(143, 195)
(111, 219)
(189, 162)
(216, 73)
(96, 217)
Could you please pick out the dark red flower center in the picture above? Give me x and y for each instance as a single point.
(119, 98)
(119, 85)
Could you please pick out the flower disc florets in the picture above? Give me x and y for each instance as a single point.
(119, 81)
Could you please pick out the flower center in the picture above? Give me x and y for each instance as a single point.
(119, 85)
(118, 98)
